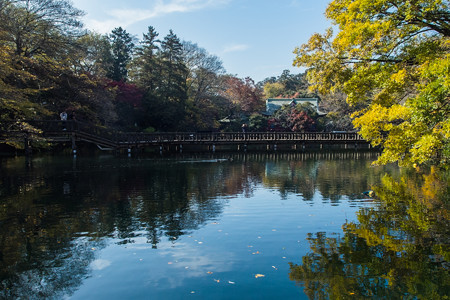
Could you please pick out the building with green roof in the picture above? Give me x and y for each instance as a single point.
(274, 104)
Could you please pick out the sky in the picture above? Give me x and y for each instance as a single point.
(253, 38)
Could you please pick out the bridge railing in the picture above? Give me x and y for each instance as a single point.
(224, 137)
(112, 138)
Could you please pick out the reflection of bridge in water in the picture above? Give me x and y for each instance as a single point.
(107, 139)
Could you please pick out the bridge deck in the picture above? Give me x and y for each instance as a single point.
(66, 131)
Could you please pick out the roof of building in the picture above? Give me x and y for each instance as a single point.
(273, 104)
(289, 100)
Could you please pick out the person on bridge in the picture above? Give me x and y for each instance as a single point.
(63, 116)
(244, 128)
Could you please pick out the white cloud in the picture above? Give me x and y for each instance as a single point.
(235, 48)
(126, 17)
(100, 264)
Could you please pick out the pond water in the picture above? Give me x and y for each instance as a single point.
(244, 226)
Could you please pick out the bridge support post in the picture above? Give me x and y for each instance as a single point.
(27, 145)
(213, 148)
(74, 144)
(275, 147)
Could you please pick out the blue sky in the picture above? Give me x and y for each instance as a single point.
(253, 38)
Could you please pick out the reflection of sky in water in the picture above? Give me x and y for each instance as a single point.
(162, 229)
(253, 236)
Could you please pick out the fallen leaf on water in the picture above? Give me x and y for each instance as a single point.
(209, 272)
(231, 282)
(275, 267)
(259, 275)
(217, 280)
(169, 263)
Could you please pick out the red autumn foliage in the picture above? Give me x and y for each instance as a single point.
(300, 121)
(127, 93)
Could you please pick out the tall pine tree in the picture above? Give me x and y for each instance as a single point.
(121, 53)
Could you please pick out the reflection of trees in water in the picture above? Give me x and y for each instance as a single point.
(334, 175)
(48, 202)
(398, 250)
(47, 206)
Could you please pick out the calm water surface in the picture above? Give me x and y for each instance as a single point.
(197, 227)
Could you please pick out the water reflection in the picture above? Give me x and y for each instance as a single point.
(399, 249)
(57, 213)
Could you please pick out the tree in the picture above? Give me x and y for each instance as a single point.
(391, 57)
(204, 71)
(174, 71)
(92, 55)
(205, 104)
(128, 103)
(273, 90)
(145, 66)
(258, 122)
(121, 53)
(245, 95)
(37, 26)
(35, 37)
(173, 89)
(299, 118)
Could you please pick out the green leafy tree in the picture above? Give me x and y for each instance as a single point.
(258, 122)
(146, 73)
(173, 89)
(273, 90)
(145, 66)
(173, 69)
(393, 58)
(121, 53)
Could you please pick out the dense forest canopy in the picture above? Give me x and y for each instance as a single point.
(387, 67)
(50, 63)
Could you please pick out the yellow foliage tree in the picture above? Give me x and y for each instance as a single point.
(394, 57)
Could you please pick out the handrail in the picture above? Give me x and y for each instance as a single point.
(113, 138)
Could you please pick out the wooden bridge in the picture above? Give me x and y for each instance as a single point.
(106, 139)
